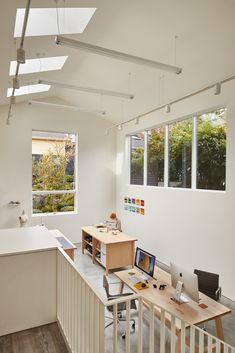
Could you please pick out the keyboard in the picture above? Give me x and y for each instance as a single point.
(136, 279)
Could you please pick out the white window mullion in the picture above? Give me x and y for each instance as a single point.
(166, 157)
(194, 154)
(145, 156)
(53, 192)
(76, 175)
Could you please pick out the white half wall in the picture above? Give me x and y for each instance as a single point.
(195, 229)
(28, 291)
(96, 166)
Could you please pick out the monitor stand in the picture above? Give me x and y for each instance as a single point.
(178, 296)
(143, 276)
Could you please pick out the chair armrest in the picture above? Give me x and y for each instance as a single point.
(218, 293)
(117, 296)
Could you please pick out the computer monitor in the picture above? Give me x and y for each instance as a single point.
(189, 280)
(145, 261)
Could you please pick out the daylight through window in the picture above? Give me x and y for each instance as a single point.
(189, 153)
(53, 172)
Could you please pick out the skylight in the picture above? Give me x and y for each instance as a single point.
(43, 21)
(29, 89)
(38, 65)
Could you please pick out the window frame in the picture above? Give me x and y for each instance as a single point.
(58, 192)
(194, 158)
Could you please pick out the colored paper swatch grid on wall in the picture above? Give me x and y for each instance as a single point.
(134, 205)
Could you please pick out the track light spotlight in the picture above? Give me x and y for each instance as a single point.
(167, 108)
(120, 127)
(137, 120)
(21, 56)
(217, 89)
(106, 132)
(16, 83)
(13, 99)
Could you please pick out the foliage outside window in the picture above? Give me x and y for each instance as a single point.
(155, 158)
(53, 172)
(137, 159)
(211, 150)
(180, 154)
(195, 157)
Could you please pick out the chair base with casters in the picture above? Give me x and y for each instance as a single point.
(119, 320)
(120, 307)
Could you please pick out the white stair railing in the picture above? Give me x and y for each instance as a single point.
(81, 312)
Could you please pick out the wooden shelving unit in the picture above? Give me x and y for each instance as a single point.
(108, 249)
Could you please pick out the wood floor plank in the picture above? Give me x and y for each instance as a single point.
(43, 339)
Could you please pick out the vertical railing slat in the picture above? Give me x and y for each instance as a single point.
(182, 337)
(101, 328)
(173, 334)
(192, 339)
(151, 329)
(201, 341)
(140, 326)
(162, 332)
(115, 327)
(92, 321)
(128, 326)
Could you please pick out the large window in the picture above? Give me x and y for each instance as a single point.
(180, 154)
(211, 150)
(137, 159)
(189, 153)
(155, 157)
(53, 172)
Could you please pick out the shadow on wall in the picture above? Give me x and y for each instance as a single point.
(9, 215)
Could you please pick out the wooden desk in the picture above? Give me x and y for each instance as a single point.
(110, 250)
(189, 312)
(64, 242)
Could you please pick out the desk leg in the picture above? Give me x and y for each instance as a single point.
(220, 331)
(121, 287)
(83, 242)
(178, 343)
(219, 328)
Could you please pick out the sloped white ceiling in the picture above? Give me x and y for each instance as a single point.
(204, 49)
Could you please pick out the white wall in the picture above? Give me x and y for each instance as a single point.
(96, 164)
(193, 228)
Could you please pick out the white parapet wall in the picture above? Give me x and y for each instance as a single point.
(28, 278)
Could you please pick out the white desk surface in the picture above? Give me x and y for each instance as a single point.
(23, 240)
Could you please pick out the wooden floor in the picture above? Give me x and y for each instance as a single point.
(43, 339)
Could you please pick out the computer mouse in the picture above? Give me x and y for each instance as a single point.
(143, 285)
(154, 285)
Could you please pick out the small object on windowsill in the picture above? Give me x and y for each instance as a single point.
(14, 203)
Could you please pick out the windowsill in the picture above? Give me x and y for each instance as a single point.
(178, 189)
(37, 215)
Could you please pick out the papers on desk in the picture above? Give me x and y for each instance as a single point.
(141, 285)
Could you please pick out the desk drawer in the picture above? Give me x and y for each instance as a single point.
(103, 258)
(103, 248)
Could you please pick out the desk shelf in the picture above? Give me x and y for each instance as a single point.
(108, 249)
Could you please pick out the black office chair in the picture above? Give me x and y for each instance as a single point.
(208, 283)
(120, 307)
